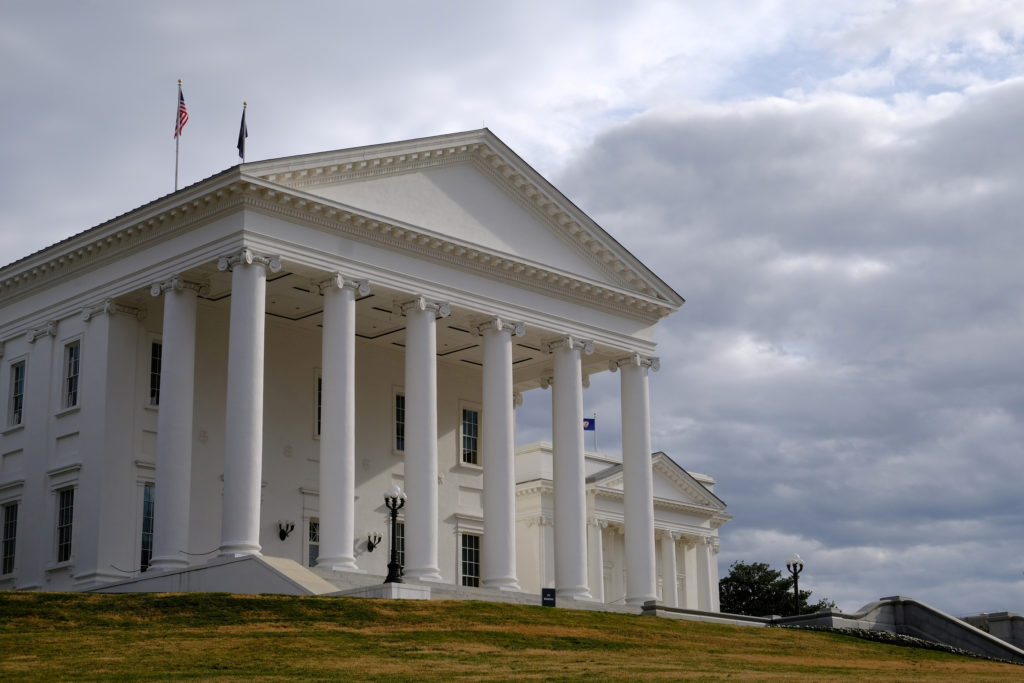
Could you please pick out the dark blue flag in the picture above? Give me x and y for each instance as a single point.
(243, 133)
(589, 423)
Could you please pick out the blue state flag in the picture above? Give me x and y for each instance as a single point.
(589, 423)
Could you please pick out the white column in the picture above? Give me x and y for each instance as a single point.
(707, 591)
(715, 602)
(174, 424)
(338, 424)
(243, 429)
(421, 438)
(638, 479)
(497, 438)
(669, 570)
(691, 587)
(568, 471)
(595, 560)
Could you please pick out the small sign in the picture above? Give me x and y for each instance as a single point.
(547, 597)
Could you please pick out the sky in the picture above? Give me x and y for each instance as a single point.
(835, 188)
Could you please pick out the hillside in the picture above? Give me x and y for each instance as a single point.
(59, 636)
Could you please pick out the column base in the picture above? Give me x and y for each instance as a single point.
(581, 593)
(510, 585)
(166, 564)
(640, 601)
(433, 575)
(339, 564)
(239, 549)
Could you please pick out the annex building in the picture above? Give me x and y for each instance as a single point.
(240, 370)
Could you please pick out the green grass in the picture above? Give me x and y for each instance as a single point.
(61, 636)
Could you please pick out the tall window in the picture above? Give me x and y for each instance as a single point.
(400, 543)
(314, 541)
(10, 534)
(399, 422)
(470, 560)
(72, 358)
(17, 397)
(147, 526)
(65, 515)
(155, 358)
(470, 436)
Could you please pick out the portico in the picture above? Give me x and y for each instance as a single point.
(319, 328)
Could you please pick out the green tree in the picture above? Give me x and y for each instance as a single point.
(757, 590)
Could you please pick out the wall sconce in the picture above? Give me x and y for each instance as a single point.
(372, 541)
(285, 528)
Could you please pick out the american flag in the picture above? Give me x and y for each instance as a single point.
(182, 113)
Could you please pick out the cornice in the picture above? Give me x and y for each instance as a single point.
(233, 189)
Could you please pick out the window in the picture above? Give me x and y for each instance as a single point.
(147, 526)
(65, 515)
(314, 541)
(10, 534)
(72, 358)
(155, 357)
(399, 422)
(470, 560)
(470, 436)
(17, 402)
(400, 543)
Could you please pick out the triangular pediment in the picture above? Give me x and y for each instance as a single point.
(471, 189)
(672, 484)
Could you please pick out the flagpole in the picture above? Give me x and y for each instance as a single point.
(177, 135)
(595, 431)
(245, 129)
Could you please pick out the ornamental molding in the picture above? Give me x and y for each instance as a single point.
(493, 159)
(247, 257)
(420, 303)
(109, 307)
(515, 328)
(569, 342)
(177, 283)
(49, 329)
(339, 281)
(635, 360)
(517, 396)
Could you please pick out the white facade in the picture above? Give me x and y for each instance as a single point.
(243, 368)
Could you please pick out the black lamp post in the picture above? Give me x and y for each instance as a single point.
(795, 566)
(394, 499)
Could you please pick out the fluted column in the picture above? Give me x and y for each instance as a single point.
(497, 438)
(568, 468)
(243, 429)
(707, 571)
(338, 423)
(669, 570)
(595, 547)
(638, 479)
(174, 423)
(421, 438)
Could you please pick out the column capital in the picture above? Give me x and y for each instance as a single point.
(339, 281)
(514, 327)
(636, 360)
(49, 329)
(175, 282)
(546, 380)
(108, 307)
(248, 257)
(569, 342)
(421, 303)
(517, 396)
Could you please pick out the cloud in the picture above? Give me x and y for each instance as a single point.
(848, 351)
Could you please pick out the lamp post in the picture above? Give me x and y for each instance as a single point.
(394, 498)
(795, 565)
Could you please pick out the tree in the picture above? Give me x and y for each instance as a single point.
(757, 590)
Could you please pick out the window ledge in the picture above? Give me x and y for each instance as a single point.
(155, 407)
(469, 466)
(67, 411)
(13, 429)
(57, 566)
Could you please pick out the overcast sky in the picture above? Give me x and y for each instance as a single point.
(835, 188)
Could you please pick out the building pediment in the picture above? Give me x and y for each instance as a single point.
(674, 487)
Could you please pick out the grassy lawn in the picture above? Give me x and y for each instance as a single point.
(61, 636)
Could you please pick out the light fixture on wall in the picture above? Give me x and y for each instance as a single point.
(372, 541)
(285, 528)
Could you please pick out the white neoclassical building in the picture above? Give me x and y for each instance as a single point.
(232, 375)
